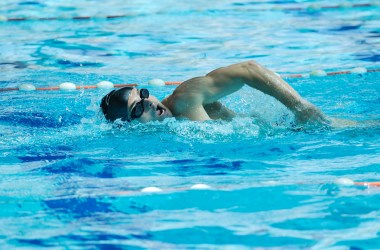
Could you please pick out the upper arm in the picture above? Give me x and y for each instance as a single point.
(218, 83)
(235, 73)
(190, 98)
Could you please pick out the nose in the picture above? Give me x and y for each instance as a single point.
(148, 104)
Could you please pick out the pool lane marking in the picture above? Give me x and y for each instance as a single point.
(173, 83)
(8, 89)
(312, 7)
(205, 187)
(76, 87)
(344, 72)
(75, 18)
(368, 184)
(201, 186)
(87, 87)
(151, 190)
(374, 70)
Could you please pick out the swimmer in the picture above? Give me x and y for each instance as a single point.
(197, 98)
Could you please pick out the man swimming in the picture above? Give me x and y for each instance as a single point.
(197, 98)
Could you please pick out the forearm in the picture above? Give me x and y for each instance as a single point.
(271, 84)
(229, 79)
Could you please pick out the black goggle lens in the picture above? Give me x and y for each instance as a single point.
(138, 109)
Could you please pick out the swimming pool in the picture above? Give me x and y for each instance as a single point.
(69, 180)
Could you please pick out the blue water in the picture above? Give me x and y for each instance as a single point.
(71, 181)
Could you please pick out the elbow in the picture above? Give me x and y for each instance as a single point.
(250, 64)
(252, 70)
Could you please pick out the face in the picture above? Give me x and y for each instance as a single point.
(151, 109)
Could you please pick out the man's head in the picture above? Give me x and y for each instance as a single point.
(130, 104)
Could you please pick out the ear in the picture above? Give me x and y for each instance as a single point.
(106, 99)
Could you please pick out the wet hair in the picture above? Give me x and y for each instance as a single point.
(114, 105)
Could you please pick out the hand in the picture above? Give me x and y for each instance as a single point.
(308, 113)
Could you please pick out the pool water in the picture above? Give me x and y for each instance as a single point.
(69, 180)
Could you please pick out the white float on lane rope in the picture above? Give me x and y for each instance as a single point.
(27, 87)
(104, 85)
(67, 86)
(151, 190)
(156, 82)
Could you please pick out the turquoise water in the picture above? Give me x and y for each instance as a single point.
(71, 181)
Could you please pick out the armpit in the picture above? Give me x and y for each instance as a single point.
(216, 111)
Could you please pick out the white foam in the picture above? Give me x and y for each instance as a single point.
(3, 18)
(27, 87)
(67, 86)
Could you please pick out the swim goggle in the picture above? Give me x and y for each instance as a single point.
(138, 110)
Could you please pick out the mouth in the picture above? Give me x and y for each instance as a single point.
(160, 110)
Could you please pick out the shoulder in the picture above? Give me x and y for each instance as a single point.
(195, 84)
(188, 96)
(181, 102)
(196, 89)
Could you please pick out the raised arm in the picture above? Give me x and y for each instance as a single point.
(260, 78)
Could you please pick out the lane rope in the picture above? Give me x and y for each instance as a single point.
(201, 186)
(311, 7)
(68, 86)
(204, 187)
(75, 18)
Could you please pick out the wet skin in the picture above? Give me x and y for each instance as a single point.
(197, 98)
